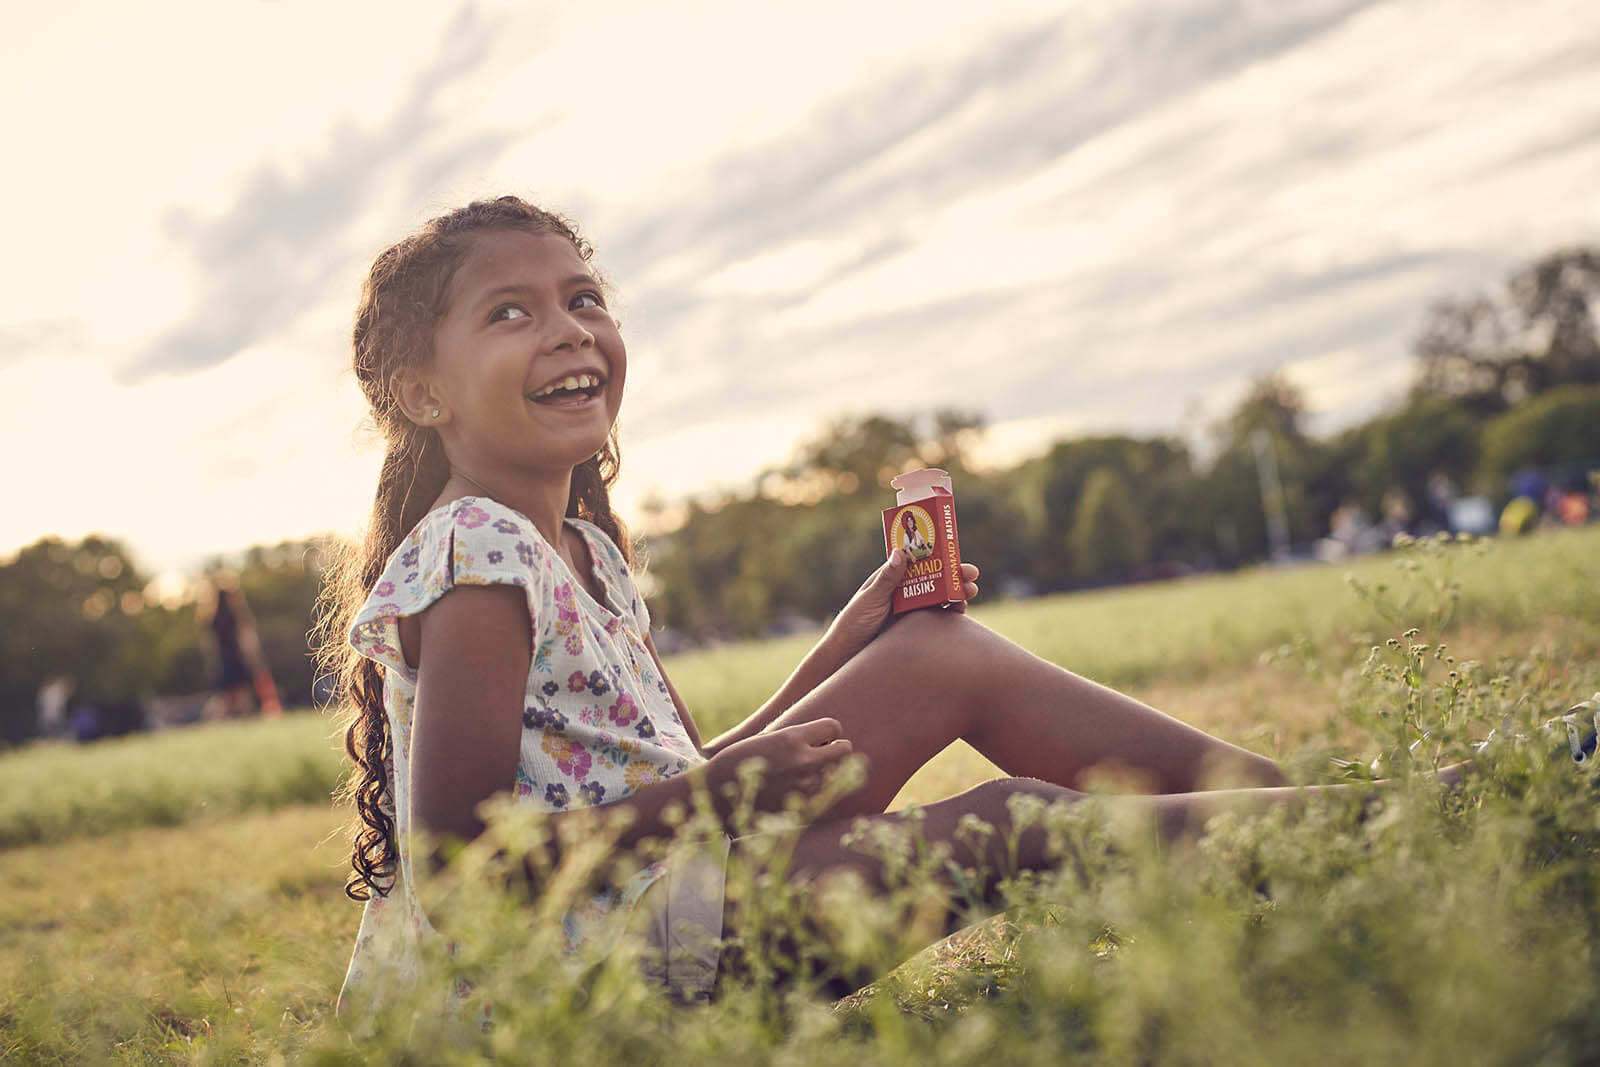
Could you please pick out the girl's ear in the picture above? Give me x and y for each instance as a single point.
(416, 398)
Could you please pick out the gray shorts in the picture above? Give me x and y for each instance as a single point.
(682, 921)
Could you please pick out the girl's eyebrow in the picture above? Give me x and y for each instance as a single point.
(514, 288)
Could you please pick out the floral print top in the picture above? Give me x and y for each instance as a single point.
(598, 721)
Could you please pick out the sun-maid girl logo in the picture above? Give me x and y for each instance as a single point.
(913, 532)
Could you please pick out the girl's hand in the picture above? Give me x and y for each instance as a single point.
(864, 617)
(794, 760)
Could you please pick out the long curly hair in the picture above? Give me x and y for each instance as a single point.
(402, 302)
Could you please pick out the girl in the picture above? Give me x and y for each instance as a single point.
(497, 643)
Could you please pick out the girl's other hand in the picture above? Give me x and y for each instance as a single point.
(795, 759)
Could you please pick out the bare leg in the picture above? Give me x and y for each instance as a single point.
(820, 854)
(933, 677)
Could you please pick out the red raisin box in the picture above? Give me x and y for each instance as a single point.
(922, 524)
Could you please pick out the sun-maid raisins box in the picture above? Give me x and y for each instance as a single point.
(922, 524)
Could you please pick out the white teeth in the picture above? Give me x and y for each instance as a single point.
(580, 381)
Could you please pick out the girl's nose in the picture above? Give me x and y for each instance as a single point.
(568, 332)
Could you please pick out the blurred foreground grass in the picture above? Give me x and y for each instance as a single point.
(177, 896)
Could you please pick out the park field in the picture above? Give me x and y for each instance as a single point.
(177, 897)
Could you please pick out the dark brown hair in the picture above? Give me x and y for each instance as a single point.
(401, 304)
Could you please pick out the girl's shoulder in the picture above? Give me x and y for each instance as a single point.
(469, 541)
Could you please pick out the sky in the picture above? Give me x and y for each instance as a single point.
(1101, 216)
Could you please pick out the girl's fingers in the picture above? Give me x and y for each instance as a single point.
(971, 589)
(818, 731)
(969, 572)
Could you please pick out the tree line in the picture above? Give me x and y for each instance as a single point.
(1504, 379)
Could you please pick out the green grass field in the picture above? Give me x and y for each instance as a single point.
(177, 896)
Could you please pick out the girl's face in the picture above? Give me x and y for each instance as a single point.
(528, 364)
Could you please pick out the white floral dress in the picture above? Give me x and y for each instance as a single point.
(598, 721)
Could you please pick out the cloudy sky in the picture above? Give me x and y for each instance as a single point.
(1070, 216)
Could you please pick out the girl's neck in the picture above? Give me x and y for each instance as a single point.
(543, 502)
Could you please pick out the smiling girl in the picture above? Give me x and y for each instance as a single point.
(491, 640)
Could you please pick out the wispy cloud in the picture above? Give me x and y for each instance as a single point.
(272, 255)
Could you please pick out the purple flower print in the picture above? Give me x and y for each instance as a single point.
(409, 559)
(550, 689)
(624, 710)
(593, 792)
(411, 577)
(597, 684)
(472, 516)
(384, 588)
(506, 526)
(525, 553)
(543, 718)
(555, 794)
(645, 729)
(495, 555)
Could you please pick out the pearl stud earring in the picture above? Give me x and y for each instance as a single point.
(436, 413)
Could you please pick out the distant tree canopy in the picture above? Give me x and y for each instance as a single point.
(1498, 349)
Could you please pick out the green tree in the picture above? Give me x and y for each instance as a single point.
(1230, 502)
(1496, 350)
(71, 610)
(1560, 431)
(1107, 537)
(1403, 450)
(1156, 473)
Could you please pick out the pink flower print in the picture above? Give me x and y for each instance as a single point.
(613, 624)
(384, 588)
(572, 759)
(578, 682)
(566, 612)
(624, 710)
(574, 645)
(472, 516)
(591, 716)
(388, 611)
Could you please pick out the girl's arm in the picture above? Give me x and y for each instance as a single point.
(472, 655)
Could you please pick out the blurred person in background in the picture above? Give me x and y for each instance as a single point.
(244, 682)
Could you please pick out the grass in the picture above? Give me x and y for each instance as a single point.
(177, 897)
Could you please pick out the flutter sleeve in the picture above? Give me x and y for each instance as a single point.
(473, 541)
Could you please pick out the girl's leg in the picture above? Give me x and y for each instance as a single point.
(934, 677)
(820, 854)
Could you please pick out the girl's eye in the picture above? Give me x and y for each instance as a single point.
(504, 313)
(593, 299)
